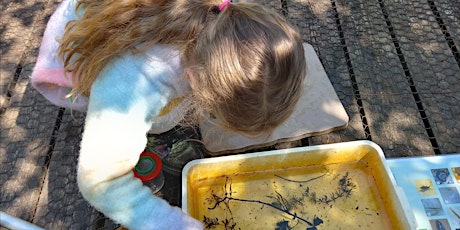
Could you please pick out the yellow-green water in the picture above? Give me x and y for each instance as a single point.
(271, 199)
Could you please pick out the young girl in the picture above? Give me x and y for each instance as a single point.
(125, 62)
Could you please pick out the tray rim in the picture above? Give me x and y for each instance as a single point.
(402, 200)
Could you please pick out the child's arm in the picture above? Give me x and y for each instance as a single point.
(121, 104)
(48, 76)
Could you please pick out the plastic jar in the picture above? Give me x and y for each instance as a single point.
(149, 170)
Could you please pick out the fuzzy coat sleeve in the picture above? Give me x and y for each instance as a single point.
(48, 76)
(129, 92)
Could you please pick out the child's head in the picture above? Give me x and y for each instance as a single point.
(247, 68)
(245, 63)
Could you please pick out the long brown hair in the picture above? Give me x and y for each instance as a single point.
(246, 63)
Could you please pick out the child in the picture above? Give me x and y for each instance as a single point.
(125, 61)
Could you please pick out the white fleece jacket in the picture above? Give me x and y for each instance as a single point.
(126, 97)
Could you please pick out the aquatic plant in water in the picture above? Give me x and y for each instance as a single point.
(344, 189)
(279, 203)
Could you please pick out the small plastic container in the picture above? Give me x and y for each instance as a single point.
(149, 170)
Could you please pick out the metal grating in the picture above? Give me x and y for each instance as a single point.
(394, 65)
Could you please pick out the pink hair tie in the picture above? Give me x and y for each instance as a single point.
(224, 4)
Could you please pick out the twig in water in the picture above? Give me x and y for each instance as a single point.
(301, 181)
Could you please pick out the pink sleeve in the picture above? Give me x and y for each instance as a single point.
(48, 76)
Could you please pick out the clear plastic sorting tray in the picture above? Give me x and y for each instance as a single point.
(335, 186)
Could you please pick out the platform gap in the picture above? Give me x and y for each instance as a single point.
(410, 80)
(445, 31)
(49, 154)
(351, 72)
